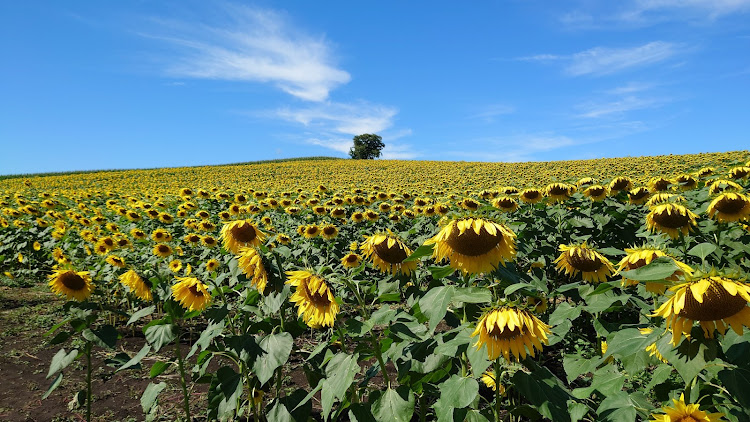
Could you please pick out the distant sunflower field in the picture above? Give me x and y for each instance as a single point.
(598, 290)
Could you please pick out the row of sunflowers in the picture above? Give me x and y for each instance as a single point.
(587, 299)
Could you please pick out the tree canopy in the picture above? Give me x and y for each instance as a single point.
(366, 146)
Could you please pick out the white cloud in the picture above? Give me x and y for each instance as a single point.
(710, 8)
(253, 45)
(603, 60)
(351, 119)
(398, 151)
(618, 107)
(489, 112)
(629, 88)
(336, 144)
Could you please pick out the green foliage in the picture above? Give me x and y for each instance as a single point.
(366, 147)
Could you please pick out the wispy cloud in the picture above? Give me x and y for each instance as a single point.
(706, 8)
(619, 107)
(606, 60)
(350, 119)
(490, 112)
(629, 88)
(253, 45)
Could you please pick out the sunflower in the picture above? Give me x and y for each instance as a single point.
(593, 266)
(739, 172)
(559, 192)
(683, 412)
(664, 198)
(509, 330)
(175, 265)
(73, 285)
(714, 301)
(490, 380)
(283, 239)
(505, 203)
(138, 233)
(238, 233)
(530, 196)
(351, 260)
(729, 206)
(116, 261)
(474, 245)
(387, 252)
(209, 241)
(212, 265)
(162, 249)
(722, 185)
(192, 294)
(638, 196)
(358, 217)
(315, 301)
(639, 257)
(192, 238)
(672, 219)
(251, 264)
(659, 184)
(620, 183)
(705, 172)
(686, 182)
(651, 348)
(329, 231)
(161, 235)
(310, 231)
(138, 286)
(596, 192)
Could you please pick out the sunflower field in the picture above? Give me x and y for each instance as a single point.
(601, 290)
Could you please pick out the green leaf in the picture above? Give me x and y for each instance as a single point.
(659, 269)
(56, 383)
(105, 337)
(623, 407)
(148, 399)
(607, 381)
(421, 251)
(157, 368)
(211, 332)
(393, 406)
(226, 388)
(575, 365)
(142, 313)
(160, 334)
(61, 360)
(688, 358)
(471, 295)
(135, 360)
(577, 410)
(441, 272)
(435, 303)
(543, 390)
(564, 312)
(340, 373)
(516, 287)
(702, 250)
(660, 374)
(277, 348)
(459, 391)
(737, 382)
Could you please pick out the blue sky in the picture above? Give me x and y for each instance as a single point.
(134, 84)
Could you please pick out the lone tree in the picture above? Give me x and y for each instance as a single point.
(366, 147)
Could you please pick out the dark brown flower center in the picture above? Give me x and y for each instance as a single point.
(163, 248)
(531, 194)
(506, 203)
(673, 220)
(329, 231)
(72, 281)
(194, 291)
(731, 205)
(639, 194)
(717, 304)
(662, 184)
(585, 262)
(470, 243)
(393, 255)
(505, 334)
(596, 191)
(558, 190)
(243, 233)
(620, 184)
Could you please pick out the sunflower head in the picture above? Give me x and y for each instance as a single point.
(741, 172)
(559, 192)
(509, 331)
(138, 286)
(593, 266)
(329, 231)
(671, 219)
(192, 294)
(239, 233)
(314, 298)
(212, 265)
(162, 249)
(251, 263)
(351, 260)
(474, 245)
(638, 196)
(387, 252)
(620, 183)
(531, 196)
(490, 380)
(659, 184)
(72, 284)
(716, 302)
(505, 203)
(683, 412)
(596, 192)
(723, 185)
(729, 206)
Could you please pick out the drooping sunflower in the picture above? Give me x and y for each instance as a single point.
(686, 182)
(252, 265)
(507, 330)
(664, 198)
(72, 284)
(116, 261)
(683, 412)
(192, 294)
(474, 245)
(388, 252)
(741, 172)
(659, 184)
(530, 196)
(728, 207)
(593, 266)
(714, 301)
(671, 219)
(620, 183)
(722, 185)
(505, 203)
(238, 233)
(138, 286)
(596, 192)
(490, 380)
(329, 232)
(559, 192)
(638, 196)
(639, 257)
(315, 301)
(351, 260)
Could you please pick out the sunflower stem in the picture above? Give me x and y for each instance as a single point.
(181, 366)
(497, 389)
(379, 355)
(87, 351)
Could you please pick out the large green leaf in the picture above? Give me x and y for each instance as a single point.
(544, 391)
(471, 295)
(394, 406)
(658, 269)
(688, 358)
(150, 394)
(702, 250)
(623, 407)
(737, 382)
(160, 334)
(435, 303)
(61, 360)
(563, 312)
(340, 373)
(225, 390)
(135, 360)
(459, 391)
(276, 348)
(105, 337)
(607, 381)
